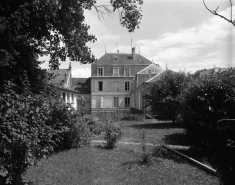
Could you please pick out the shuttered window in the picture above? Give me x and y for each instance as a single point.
(100, 85)
(116, 102)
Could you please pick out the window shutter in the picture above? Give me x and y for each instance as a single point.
(96, 86)
(104, 85)
(101, 102)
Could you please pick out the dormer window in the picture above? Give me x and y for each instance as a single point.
(100, 71)
(115, 71)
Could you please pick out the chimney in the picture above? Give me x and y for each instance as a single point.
(150, 74)
(133, 53)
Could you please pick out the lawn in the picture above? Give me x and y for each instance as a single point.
(98, 165)
(94, 165)
(157, 132)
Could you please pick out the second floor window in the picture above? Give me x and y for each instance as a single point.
(100, 71)
(100, 85)
(116, 86)
(127, 86)
(115, 101)
(127, 72)
(115, 71)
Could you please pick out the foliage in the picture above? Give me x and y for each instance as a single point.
(113, 134)
(205, 101)
(163, 95)
(132, 117)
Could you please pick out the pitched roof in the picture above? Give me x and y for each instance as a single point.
(153, 68)
(121, 58)
(82, 85)
(160, 75)
(61, 75)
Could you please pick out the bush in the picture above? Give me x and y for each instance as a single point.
(113, 134)
(205, 101)
(132, 117)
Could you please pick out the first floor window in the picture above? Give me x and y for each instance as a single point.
(127, 101)
(115, 101)
(127, 86)
(72, 99)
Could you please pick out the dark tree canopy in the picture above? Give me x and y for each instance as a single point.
(33, 28)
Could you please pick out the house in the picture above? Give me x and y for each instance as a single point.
(114, 76)
(73, 90)
(83, 87)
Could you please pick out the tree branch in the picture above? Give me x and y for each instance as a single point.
(214, 12)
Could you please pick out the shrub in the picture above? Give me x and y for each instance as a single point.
(133, 117)
(113, 134)
(206, 100)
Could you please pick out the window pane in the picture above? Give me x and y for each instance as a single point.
(115, 71)
(116, 86)
(127, 72)
(127, 86)
(127, 102)
(115, 101)
(100, 86)
(100, 71)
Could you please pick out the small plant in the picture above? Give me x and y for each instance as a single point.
(113, 134)
(146, 157)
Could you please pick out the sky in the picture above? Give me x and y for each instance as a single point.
(181, 34)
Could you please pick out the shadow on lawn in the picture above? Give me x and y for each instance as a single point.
(161, 125)
(176, 139)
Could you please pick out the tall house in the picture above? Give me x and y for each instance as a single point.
(112, 80)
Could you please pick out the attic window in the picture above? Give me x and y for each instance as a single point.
(115, 59)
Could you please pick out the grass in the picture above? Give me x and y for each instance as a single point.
(157, 132)
(119, 166)
(123, 165)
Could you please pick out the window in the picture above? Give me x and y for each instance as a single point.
(116, 86)
(127, 85)
(100, 71)
(72, 99)
(115, 71)
(115, 101)
(100, 85)
(127, 101)
(68, 100)
(64, 96)
(127, 72)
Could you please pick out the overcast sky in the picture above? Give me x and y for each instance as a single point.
(182, 34)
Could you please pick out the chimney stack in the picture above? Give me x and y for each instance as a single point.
(133, 53)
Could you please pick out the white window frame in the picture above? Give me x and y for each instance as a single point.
(114, 102)
(129, 102)
(125, 71)
(129, 85)
(102, 71)
(97, 85)
(118, 88)
(117, 69)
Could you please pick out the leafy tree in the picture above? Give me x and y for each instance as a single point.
(164, 95)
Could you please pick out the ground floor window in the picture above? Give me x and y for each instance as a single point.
(127, 101)
(115, 101)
